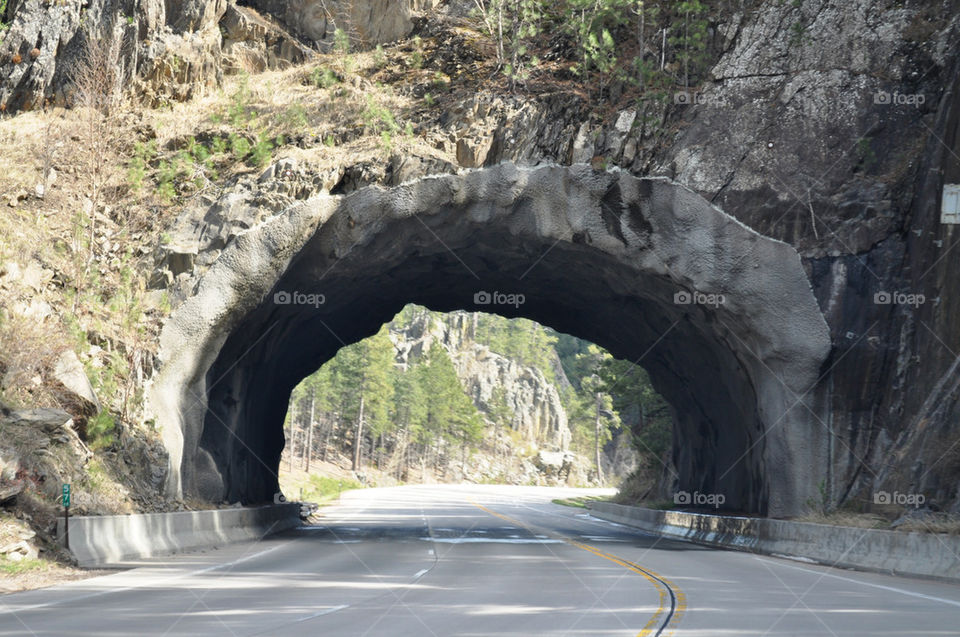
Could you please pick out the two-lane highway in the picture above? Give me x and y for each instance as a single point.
(472, 560)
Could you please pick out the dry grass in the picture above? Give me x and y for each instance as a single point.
(48, 570)
(928, 523)
(841, 518)
(932, 523)
(328, 113)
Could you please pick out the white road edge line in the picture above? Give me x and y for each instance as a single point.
(853, 581)
(326, 611)
(114, 591)
(798, 568)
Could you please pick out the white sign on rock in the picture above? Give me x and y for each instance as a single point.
(950, 206)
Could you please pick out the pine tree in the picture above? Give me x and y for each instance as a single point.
(450, 414)
(365, 375)
(409, 409)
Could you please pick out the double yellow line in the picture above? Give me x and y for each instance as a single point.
(672, 603)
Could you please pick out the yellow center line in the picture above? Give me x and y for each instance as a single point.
(659, 582)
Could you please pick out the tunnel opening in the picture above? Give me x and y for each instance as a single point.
(473, 397)
(696, 376)
(722, 318)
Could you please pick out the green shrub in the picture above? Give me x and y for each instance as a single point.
(378, 118)
(166, 174)
(218, 145)
(323, 488)
(100, 431)
(379, 57)
(199, 152)
(295, 117)
(341, 42)
(143, 154)
(322, 77)
(239, 113)
(261, 151)
(239, 146)
(416, 58)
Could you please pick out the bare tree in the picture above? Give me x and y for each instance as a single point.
(98, 79)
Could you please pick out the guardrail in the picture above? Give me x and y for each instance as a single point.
(112, 539)
(895, 552)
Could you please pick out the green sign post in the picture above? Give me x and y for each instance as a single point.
(65, 499)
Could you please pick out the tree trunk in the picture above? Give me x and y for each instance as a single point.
(331, 423)
(293, 437)
(357, 438)
(596, 440)
(310, 434)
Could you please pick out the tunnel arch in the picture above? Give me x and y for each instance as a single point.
(603, 255)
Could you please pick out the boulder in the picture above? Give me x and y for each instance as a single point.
(368, 22)
(253, 42)
(9, 491)
(43, 419)
(68, 372)
(19, 551)
(555, 464)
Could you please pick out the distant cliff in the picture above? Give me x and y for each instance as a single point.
(533, 402)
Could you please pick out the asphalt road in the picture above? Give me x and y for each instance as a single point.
(471, 560)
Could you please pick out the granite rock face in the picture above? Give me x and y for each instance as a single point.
(173, 50)
(170, 50)
(538, 413)
(366, 22)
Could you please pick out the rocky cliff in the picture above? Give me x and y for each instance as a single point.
(537, 413)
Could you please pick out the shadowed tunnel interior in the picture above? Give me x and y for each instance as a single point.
(596, 255)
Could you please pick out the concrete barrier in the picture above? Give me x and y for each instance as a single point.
(111, 539)
(910, 554)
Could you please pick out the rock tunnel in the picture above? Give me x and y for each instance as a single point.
(722, 318)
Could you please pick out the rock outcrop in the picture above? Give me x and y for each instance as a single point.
(172, 51)
(364, 22)
(538, 413)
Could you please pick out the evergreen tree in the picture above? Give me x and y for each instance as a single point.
(450, 414)
(365, 372)
(410, 410)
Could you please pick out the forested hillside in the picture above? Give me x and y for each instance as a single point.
(474, 396)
